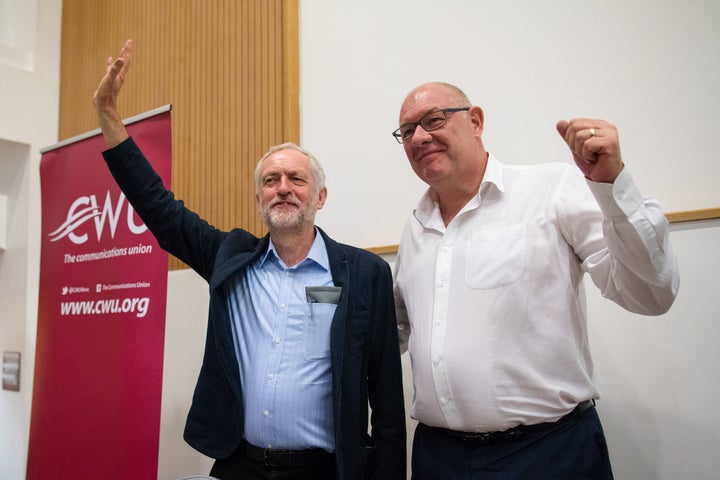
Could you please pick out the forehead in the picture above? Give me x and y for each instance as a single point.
(424, 99)
(285, 161)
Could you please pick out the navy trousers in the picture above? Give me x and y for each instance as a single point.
(572, 449)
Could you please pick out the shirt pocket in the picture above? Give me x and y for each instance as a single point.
(496, 258)
(316, 330)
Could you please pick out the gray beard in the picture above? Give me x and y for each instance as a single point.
(292, 219)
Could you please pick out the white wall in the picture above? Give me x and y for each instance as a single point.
(658, 375)
(29, 70)
(650, 67)
(185, 328)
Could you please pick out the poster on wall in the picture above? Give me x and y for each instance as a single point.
(101, 316)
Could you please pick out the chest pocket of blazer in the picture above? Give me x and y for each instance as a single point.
(316, 330)
(496, 258)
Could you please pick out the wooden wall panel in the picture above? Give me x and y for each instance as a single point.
(228, 67)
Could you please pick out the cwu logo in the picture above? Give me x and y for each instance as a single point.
(85, 208)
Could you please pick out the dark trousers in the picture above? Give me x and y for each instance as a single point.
(240, 466)
(572, 449)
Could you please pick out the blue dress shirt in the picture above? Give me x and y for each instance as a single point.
(283, 350)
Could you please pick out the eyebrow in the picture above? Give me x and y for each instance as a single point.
(428, 112)
(289, 173)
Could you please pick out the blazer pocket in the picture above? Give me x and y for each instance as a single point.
(365, 462)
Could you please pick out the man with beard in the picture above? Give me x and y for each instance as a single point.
(301, 330)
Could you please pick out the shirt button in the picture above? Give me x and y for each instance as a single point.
(288, 274)
(282, 305)
(444, 401)
(266, 413)
(436, 361)
(276, 341)
(271, 376)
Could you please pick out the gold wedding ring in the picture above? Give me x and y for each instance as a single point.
(592, 132)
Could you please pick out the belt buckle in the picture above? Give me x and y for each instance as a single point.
(272, 457)
(487, 438)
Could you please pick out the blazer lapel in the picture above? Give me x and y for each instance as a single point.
(338, 329)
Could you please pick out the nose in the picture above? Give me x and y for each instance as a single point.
(420, 136)
(284, 185)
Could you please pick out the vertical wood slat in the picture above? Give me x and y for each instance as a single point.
(228, 67)
(291, 71)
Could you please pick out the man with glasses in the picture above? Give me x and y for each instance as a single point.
(489, 295)
(302, 335)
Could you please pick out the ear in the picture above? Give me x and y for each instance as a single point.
(477, 117)
(322, 196)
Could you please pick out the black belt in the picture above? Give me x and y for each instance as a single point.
(514, 433)
(278, 458)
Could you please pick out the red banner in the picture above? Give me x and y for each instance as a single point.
(101, 318)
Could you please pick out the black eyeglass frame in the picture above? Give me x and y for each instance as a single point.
(398, 135)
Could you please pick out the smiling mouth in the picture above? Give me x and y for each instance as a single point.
(426, 154)
(284, 204)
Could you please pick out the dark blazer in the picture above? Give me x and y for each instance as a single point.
(364, 347)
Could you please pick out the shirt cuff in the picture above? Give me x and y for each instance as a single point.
(618, 199)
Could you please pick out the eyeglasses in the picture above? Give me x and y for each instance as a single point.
(431, 121)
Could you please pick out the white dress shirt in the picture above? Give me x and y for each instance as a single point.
(491, 306)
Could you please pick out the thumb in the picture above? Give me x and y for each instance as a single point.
(562, 127)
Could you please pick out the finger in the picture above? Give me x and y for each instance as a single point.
(590, 148)
(127, 51)
(126, 56)
(592, 143)
(108, 64)
(579, 139)
(578, 133)
(562, 127)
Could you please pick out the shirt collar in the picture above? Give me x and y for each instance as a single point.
(494, 173)
(427, 211)
(317, 253)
